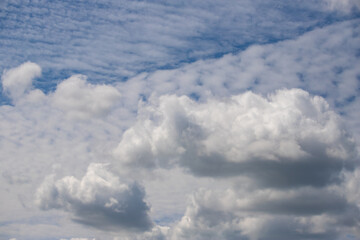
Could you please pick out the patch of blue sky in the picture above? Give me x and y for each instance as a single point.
(112, 41)
(168, 220)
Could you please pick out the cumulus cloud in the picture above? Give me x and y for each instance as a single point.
(99, 199)
(18, 81)
(81, 100)
(38, 136)
(77, 98)
(232, 215)
(289, 138)
(288, 151)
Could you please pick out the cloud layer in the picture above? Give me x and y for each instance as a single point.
(259, 138)
(120, 39)
(290, 161)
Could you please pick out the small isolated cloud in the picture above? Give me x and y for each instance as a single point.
(288, 139)
(81, 100)
(17, 81)
(99, 199)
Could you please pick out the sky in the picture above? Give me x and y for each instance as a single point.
(159, 120)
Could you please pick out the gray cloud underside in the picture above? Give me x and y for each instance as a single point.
(291, 149)
(304, 214)
(290, 139)
(98, 200)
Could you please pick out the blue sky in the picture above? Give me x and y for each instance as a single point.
(179, 120)
(112, 40)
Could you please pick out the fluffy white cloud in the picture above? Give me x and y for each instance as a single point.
(99, 199)
(77, 98)
(39, 136)
(292, 153)
(17, 81)
(81, 100)
(289, 138)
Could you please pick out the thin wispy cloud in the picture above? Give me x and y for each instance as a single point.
(112, 40)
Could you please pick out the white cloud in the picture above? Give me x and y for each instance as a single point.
(239, 140)
(343, 5)
(99, 199)
(290, 146)
(352, 187)
(157, 233)
(82, 100)
(18, 81)
(39, 137)
(124, 38)
(223, 215)
(323, 62)
(282, 140)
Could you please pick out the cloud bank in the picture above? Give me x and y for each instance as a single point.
(290, 164)
(288, 154)
(273, 140)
